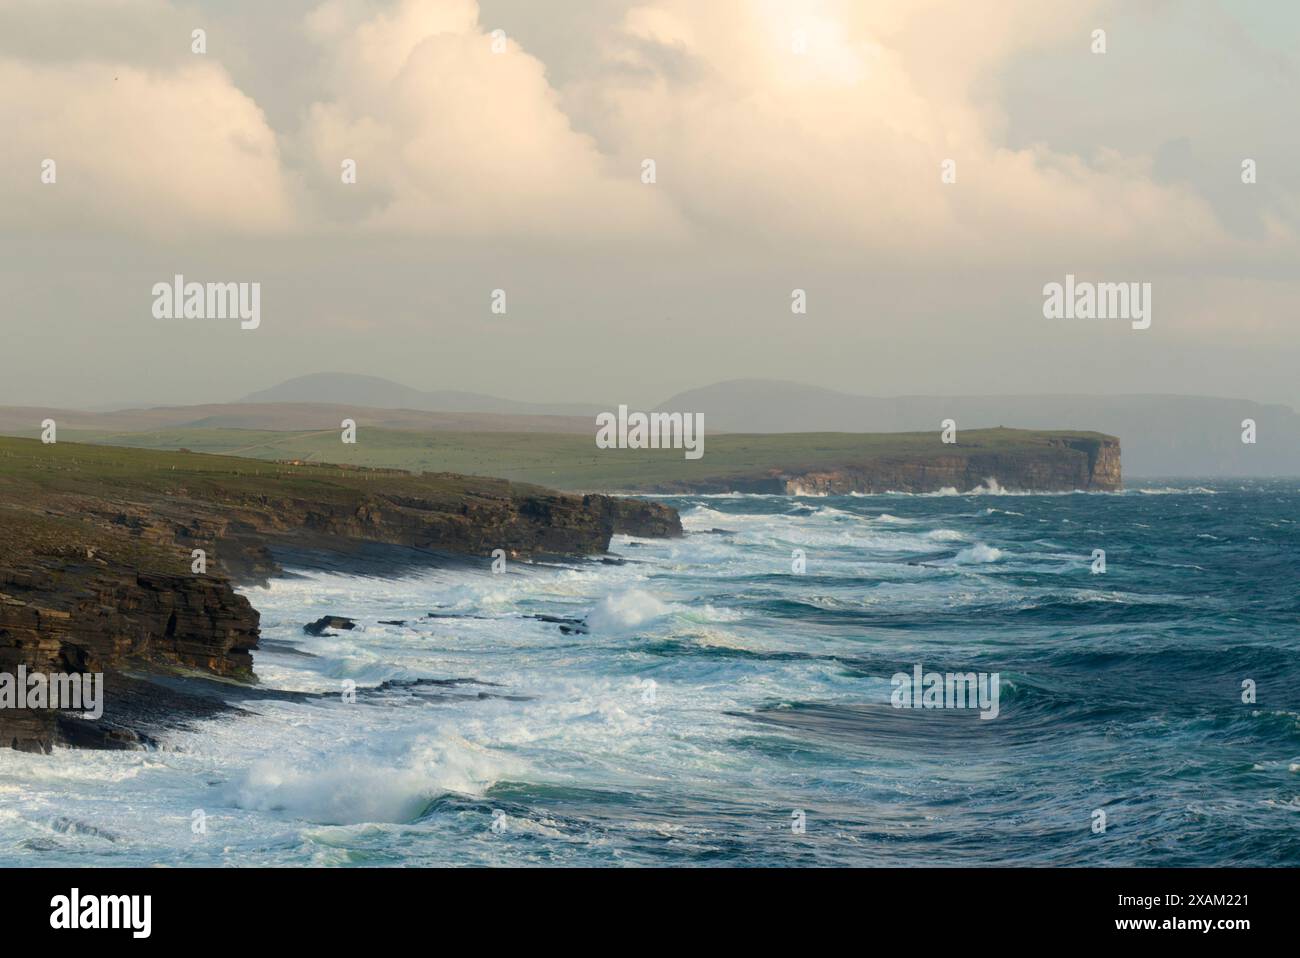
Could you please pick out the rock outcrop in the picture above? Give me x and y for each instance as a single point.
(326, 622)
(636, 517)
(122, 561)
(1064, 465)
(1013, 460)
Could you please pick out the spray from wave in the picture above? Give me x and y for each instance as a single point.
(625, 610)
(355, 788)
(977, 555)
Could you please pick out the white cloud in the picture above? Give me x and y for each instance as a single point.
(835, 152)
(165, 150)
(451, 137)
(841, 146)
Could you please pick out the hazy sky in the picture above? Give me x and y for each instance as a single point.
(796, 145)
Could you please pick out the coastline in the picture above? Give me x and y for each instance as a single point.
(127, 563)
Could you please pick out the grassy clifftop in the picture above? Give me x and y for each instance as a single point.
(768, 462)
(164, 495)
(96, 553)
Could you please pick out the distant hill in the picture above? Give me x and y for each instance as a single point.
(1159, 435)
(285, 417)
(378, 393)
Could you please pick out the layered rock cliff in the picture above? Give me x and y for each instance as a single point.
(1063, 465)
(1010, 459)
(98, 565)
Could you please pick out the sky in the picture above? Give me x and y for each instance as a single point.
(921, 169)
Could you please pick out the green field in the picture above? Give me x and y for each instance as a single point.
(573, 462)
(149, 466)
(64, 498)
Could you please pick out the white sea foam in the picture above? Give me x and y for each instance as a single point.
(334, 789)
(826, 527)
(323, 782)
(977, 554)
(626, 610)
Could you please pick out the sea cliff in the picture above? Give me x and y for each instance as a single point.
(844, 463)
(126, 561)
(1063, 465)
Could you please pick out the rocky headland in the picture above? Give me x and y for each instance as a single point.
(125, 562)
(842, 464)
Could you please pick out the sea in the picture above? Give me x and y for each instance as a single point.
(732, 698)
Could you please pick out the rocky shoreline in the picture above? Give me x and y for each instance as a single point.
(126, 562)
(100, 567)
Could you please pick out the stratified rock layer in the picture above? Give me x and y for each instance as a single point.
(1063, 466)
(1009, 459)
(97, 552)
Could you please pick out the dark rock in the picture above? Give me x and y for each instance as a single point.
(96, 575)
(69, 826)
(637, 517)
(567, 626)
(328, 622)
(422, 683)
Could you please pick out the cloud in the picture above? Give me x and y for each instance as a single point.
(817, 127)
(452, 137)
(827, 122)
(168, 148)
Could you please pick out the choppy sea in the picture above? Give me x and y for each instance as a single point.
(704, 703)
